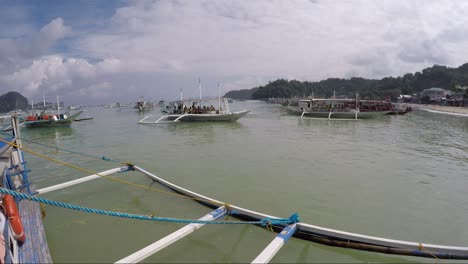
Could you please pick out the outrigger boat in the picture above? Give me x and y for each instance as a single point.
(16, 184)
(181, 111)
(347, 109)
(46, 119)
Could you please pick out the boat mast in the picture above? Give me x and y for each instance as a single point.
(199, 86)
(58, 107)
(180, 94)
(219, 99)
(356, 102)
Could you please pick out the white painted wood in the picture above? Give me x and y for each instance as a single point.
(270, 251)
(144, 118)
(77, 181)
(182, 116)
(172, 238)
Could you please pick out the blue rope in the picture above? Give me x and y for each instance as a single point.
(264, 222)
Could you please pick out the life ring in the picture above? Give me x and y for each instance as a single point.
(14, 218)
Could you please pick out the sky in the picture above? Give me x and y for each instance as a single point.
(98, 52)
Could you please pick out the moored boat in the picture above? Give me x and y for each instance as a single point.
(45, 119)
(341, 108)
(181, 111)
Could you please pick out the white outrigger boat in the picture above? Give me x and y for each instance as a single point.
(181, 111)
(342, 109)
(286, 227)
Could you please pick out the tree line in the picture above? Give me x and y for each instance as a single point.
(386, 88)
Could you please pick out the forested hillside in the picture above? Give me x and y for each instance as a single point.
(389, 87)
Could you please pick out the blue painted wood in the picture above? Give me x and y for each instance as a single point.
(35, 249)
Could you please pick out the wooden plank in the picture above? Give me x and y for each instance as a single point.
(172, 238)
(35, 249)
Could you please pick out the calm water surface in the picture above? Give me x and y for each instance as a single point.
(401, 177)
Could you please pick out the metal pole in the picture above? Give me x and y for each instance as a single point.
(199, 86)
(219, 99)
(58, 108)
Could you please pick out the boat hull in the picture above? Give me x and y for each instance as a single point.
(228, 117)
(340, 115)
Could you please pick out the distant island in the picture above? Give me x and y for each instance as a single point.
(386, 88)
(13, 101)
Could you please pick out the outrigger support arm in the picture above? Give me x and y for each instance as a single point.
(270, 251)
(78, 181)
(172, 238)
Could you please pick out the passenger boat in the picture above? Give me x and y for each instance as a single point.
(45, 119)
(179, 112)
(341, 108)
(48, 119)
(16, 184)
(193, 111)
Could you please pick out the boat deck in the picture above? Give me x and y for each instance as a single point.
(35, 249)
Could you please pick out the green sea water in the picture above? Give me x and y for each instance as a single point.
(400, 177)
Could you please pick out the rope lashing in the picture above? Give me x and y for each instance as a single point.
(268, 222)
(272, 221)
(421, 248)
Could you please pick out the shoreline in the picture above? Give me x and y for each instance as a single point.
(439, 108)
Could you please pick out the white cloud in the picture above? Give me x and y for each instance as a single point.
(101, 90)
(156, 47)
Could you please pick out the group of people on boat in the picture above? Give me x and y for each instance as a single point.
(44, 116)
(196, 109)
(199, 109)
(37, 117)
